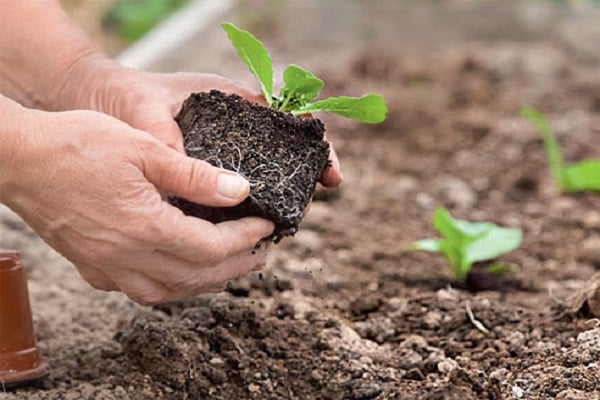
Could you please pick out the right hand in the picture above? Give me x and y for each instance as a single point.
(150, 101)
(90, 186)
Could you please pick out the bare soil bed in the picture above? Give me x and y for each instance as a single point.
(342, 311)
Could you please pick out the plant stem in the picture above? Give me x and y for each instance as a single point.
(551, 146)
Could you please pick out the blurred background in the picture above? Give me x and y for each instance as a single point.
(118, 24)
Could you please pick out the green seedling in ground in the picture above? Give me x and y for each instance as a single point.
(132, 19)
(465, 243)
(569, 177)
(301, 87)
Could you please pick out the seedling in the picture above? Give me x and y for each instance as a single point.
(466, 243)
(569, 177)
(131, 20)
(301, 87)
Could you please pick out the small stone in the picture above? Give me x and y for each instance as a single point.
(424, 200)
(308, 240)
(216, 361)
(409, 359)
(572, 394)
(414, 342)
(590, 250)
(517, 392)
(516, 341)
(446, 366)
(455, 191)
(561, 204)
(591, 220)
(364, 390)
(450, 295)
(498, 376)
(414, 374)
(253, 388)
(401, 186)
(432, 319)
(365, 304)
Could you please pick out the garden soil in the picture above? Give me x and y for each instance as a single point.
(342, 311)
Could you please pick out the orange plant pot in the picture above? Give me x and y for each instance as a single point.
(20, 360)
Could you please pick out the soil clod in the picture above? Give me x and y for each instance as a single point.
(281, 155)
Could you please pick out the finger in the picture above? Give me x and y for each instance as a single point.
(96, 278)
(183, 84)
(199, 279)
(142, 289)
(182, 295)
(192, 179)
(332, 175)
(199, 241)
(165, 129)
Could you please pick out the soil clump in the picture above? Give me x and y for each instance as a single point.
(281, 155)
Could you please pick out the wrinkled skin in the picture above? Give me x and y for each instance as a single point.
(90, 182)
(93, 193)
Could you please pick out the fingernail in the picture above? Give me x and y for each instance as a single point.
(231, 185)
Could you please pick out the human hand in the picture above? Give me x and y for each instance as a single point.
(89, 185)
(150, 101)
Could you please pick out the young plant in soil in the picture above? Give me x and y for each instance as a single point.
(278, 148)
(569, 177)
(467, 244)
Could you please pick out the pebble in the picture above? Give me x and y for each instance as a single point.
(217, 361)
(425, 201)
(590, 250)
(432, 319)
(308, 240)
(401, 187)
(446, 366)
(409, 359)
(515, 341)
(365, 390)
(253, 388)
(456, 191)
(572, 394)
(414, 342)
(498, 375)
(591, 220)
(517, 392)
(449, 294)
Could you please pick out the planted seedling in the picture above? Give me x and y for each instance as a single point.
(569, 177)
(278, 150)
(466, 243)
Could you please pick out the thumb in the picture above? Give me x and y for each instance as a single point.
(194, 180)
(158, 120)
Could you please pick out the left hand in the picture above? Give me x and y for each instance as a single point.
(150, 101)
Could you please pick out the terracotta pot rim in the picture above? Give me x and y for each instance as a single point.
(20, 359)
(13, 378)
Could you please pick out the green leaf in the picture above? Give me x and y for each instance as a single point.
(584, 175)
(445, 224)
(502, 267)
(551, 146)
(452, 250)
(252, 52)
(133, 19)
(368, 109)
(573, 177)
(467, 242)
(455, 239)
(455, 228)
(430, 245)
(492, 244)
(300, 87)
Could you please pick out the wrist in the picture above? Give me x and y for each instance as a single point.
(15, 121)
(82, 83)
